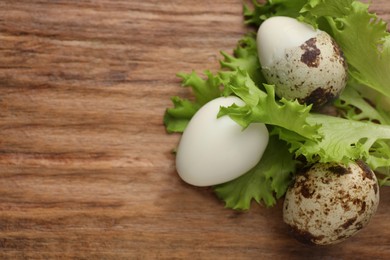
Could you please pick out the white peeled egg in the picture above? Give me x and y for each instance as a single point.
(216, 150)
(303, 63)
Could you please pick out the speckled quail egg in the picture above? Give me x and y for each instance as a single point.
(329, 202)
(303, 63)
(216, 150)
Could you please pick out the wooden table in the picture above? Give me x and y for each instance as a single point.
(86, 167)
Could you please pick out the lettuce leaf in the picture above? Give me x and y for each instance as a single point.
(262, 107)
(355, 107)
(177, 118)
(344, 140)
(245, 58)
(256, 14)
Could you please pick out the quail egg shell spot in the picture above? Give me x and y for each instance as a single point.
(216, 150)
(327, 207)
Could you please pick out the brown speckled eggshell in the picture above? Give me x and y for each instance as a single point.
(328, 203)
(314, 73)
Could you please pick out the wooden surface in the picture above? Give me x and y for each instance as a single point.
(86, 169)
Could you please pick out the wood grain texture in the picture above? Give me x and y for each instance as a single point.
(86, 169)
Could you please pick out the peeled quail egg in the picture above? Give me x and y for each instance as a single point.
(303, 63)
(216, 150)
(330, 202)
